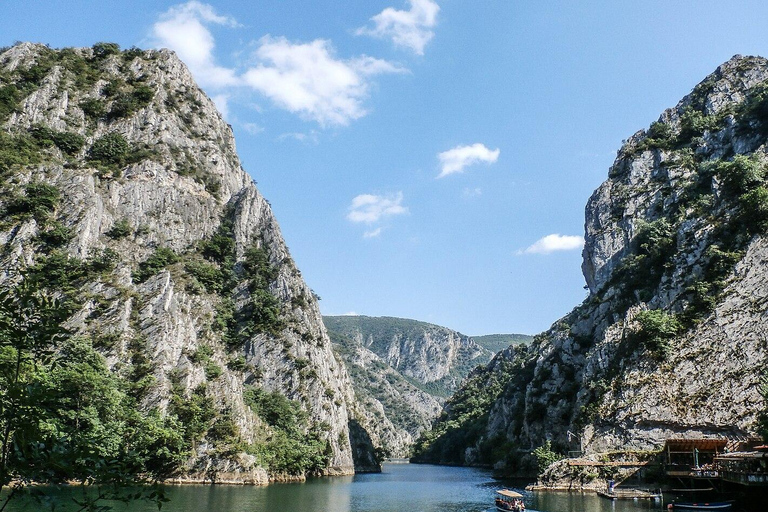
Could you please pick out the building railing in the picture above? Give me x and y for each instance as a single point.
(744, 477)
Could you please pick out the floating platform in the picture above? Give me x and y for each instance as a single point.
(629, 494)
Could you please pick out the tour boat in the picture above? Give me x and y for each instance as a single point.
(699, 507)
(509, 501)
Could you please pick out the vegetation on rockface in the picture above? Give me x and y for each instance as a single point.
(91, 293)
(379, 333)
(157, 261)
(546, 456)
(219, 273)
(63, 415)
(294, 446)
(656, 331)
(464, 419)
(763, 418)
(498, 342)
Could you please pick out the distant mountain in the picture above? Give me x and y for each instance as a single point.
(402, 370)
(498, 342)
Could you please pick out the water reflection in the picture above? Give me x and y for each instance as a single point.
(400, 488)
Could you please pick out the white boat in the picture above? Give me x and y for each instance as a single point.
(509, 501)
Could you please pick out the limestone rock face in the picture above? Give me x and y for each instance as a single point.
(672, 339)
(179, 183)
(402, 370)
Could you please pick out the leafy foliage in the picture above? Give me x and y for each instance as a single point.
(120, 229)
(63, 415)
(160, 259)
(656, 331)
(110, 149)
(39, 201)
(546, 456)
(293, 448)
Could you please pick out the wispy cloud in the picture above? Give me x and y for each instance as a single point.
(374, 233)
(312, 137)
(456, 159)
(307, 79)
(553, 243)
(369, 208)
(411, 29)
(222, 104)
(184, 29)
(252, 128)
(469, 193)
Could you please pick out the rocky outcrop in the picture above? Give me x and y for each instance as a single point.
(401, 370)
(672, 338)
(195, 276)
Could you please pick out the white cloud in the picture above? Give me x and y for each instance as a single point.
(456, 159)
(350, 313)
(252, 128)
(303, 78)
(373, 233)
(469, 193)
(554, 242)
(369, 208)
(410, 29)
(183, 28)
(307, 79)
(222, 104)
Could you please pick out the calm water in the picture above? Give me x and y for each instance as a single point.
(400, 487)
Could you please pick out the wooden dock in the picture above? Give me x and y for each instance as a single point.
(628, 494)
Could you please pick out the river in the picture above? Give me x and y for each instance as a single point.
(399, 488)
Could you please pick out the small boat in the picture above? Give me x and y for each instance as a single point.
(699, 507)
(509, 501)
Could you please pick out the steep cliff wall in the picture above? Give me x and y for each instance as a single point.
(672, 338)
(122, 191)
(401, 370)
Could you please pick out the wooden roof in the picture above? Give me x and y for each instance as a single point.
(709, 444)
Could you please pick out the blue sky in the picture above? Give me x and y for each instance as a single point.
(428, 159)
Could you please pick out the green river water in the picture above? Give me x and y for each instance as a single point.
(400, 487)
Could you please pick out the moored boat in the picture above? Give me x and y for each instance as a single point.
(699, 507)
(509, 501)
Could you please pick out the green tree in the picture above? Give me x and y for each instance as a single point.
(64, 416)
(546, 456)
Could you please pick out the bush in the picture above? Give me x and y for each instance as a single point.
(754, 210)
(160, 259)
(111, 149)
(93, 108)
(545, 456)
(120, 229)
(656, 330)
(70, 143)
(39, 200)
(56, 235)
(102, 50)
(212, 370)
(742, 174)
(9, 100)
(210, 276)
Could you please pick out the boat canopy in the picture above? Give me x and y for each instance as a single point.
(510, 494)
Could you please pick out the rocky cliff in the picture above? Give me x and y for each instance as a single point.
(122, 193)
(672, 338)
(402, 370)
